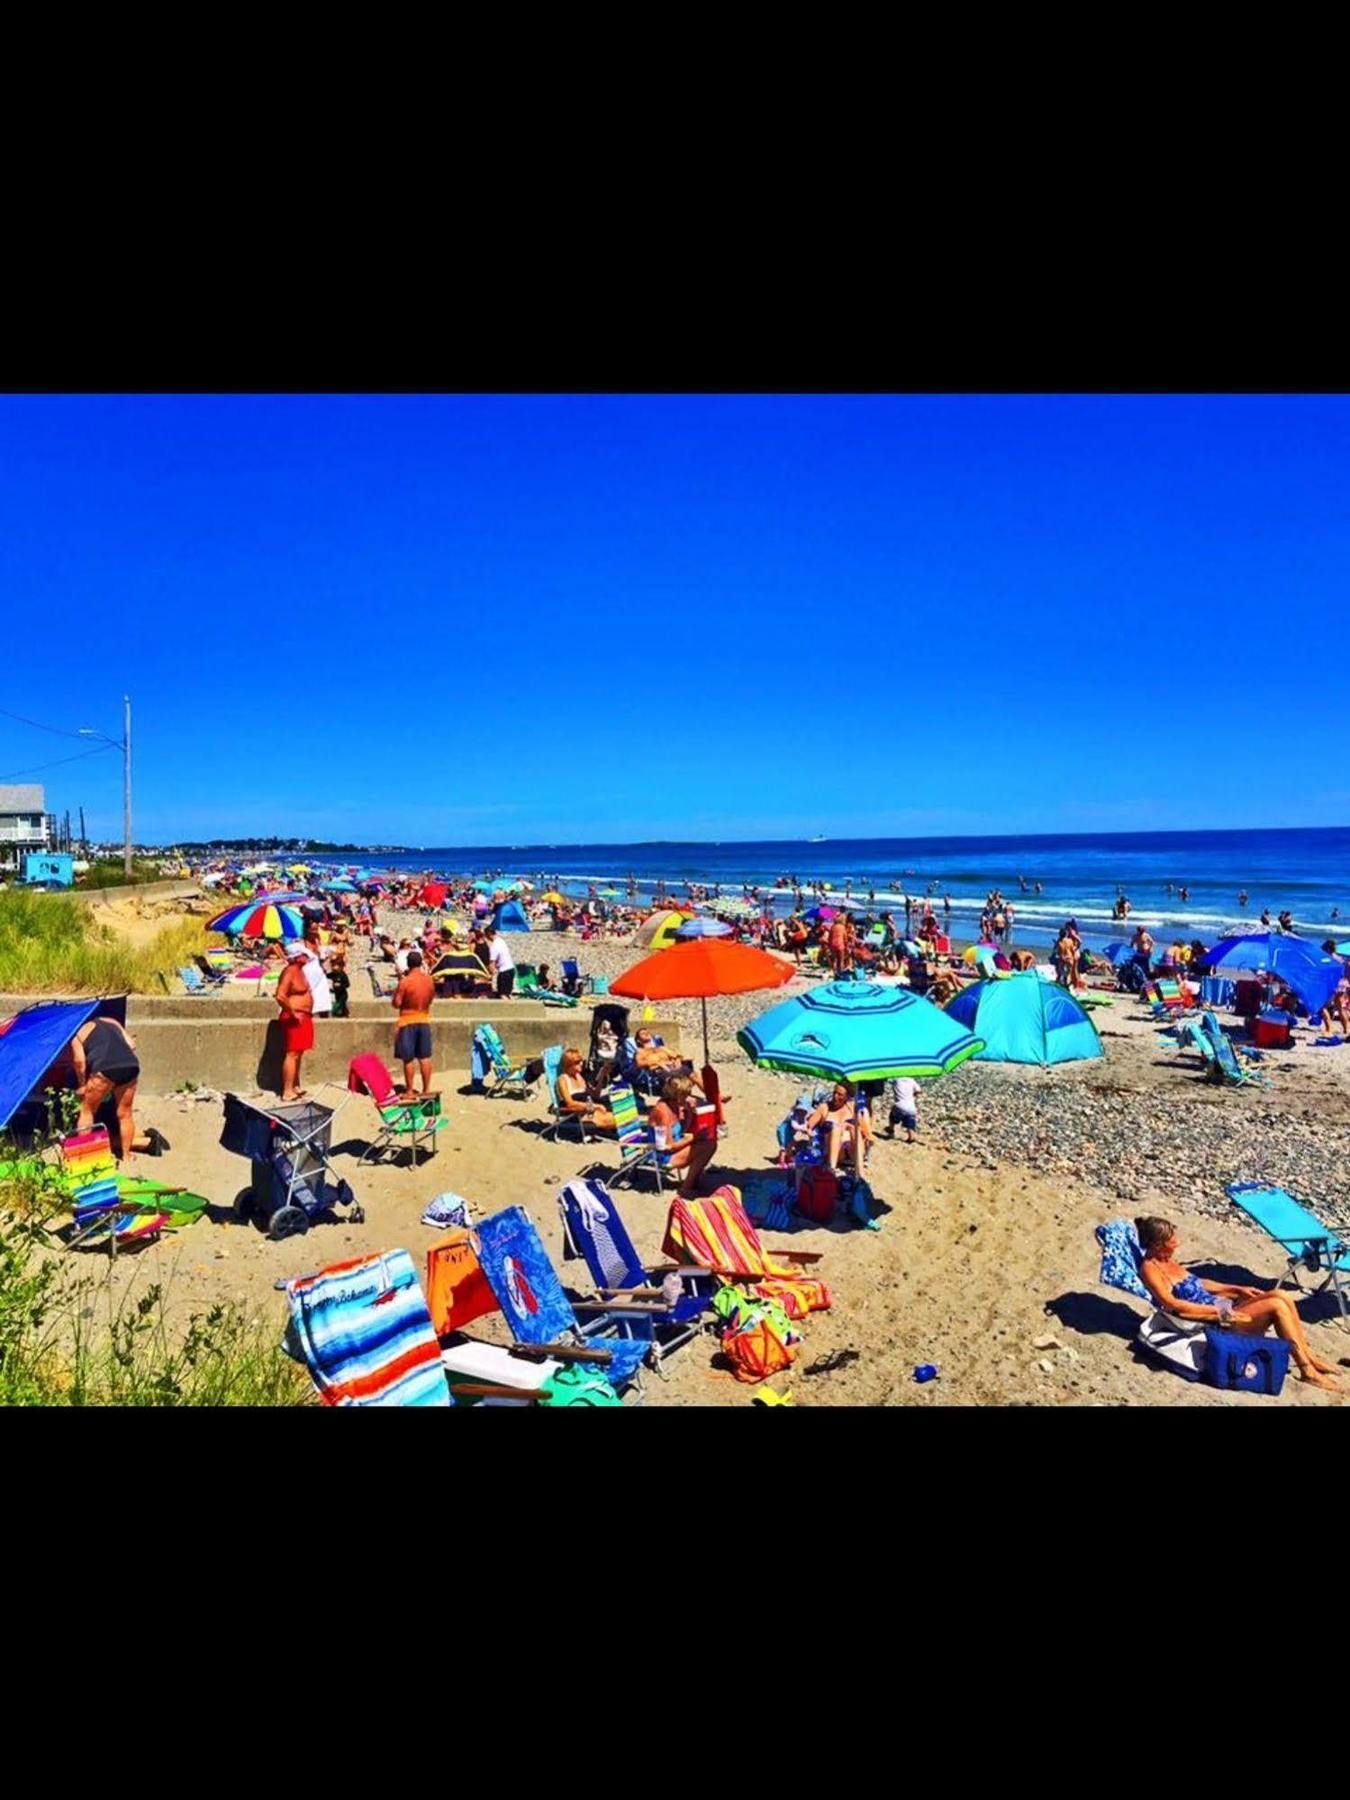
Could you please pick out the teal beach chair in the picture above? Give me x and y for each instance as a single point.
(1302, 1234)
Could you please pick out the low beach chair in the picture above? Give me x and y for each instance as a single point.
(527, 981)
(363, 1331)
(1188, 1034)
(1227, 1068)
(573, 981)
(213, 975)
(101, 1216)
(1179, 1343)
(593, 1229)
(411, 1122)
(1302, 1234)
(558, 1115)
(504, 1077)
(194, 984)
(638, 1152)
(717, 1235)
(538, 1313)
(382, 981)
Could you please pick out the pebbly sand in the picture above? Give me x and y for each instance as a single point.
(985, 1264)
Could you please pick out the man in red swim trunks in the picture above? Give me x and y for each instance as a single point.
(296, 999)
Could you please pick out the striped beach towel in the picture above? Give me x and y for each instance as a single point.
(363, 1330)
(716, 1233)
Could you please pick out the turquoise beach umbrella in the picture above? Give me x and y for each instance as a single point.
(860, 1030)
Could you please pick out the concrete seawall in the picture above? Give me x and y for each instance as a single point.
(236, 1044)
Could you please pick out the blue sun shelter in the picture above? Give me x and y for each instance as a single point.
(510, 916)
(1025, 1020)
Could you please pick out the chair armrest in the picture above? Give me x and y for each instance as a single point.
(803, 1256)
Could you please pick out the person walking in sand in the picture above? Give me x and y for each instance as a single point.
(503, 963)
(412, 1001)
(296, 1000)
(903, 1091)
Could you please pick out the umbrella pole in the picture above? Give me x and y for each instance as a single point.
(704, 1004)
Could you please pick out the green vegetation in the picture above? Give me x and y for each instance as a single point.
(110, 872)
(67, 1340)
(52, 943)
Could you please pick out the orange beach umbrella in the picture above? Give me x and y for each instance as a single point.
(700, 969)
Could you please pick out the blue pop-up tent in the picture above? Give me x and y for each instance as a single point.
(30, 1043)
(510, 916)
(1025, 1020)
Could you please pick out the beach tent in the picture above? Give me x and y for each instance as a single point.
(658, 931)
(510, 916)
(1025, 1020)
(32, 1041)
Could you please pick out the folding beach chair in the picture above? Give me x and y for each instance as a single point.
(1302, 1234)
(557, 1113)
(213, 975)
(527, 981)
(717, 1234)
(414, 1122)
(1180, 1343)
(1190, 1035)
(381, 985)
(593, 1229)
(638, 1152)
(363, 1331)
(101, 1217)
(503, 1076)
(1227, 1068)
(538, 1313)
(193, 983)
(573, 981)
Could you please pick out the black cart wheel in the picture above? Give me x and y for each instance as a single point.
(243, 1205)
(357, 1216)
(288, 1221)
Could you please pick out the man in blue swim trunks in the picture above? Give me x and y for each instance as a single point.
(413, 998)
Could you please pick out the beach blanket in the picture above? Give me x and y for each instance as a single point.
(363, 1330)
(457, 1289)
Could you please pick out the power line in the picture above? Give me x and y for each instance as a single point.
(55, 730)
(37, 768)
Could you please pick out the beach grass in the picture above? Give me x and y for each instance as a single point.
(67, 1340)
(110, 872)
(52, 943)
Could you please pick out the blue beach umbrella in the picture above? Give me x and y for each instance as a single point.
(860, 1030)
(340, 886)
(1312, 974)
(703, 928)
(1116, 954)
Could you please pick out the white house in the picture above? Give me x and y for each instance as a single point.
(24, 824)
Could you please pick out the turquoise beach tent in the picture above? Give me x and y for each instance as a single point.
(1025, 1020)
(510, 916)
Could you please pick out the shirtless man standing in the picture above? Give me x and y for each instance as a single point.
(412, 1002)
(296, 1000)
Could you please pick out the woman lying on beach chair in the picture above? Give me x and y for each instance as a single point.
(1188, 1296)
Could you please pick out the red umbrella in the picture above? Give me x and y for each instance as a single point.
(701, 968)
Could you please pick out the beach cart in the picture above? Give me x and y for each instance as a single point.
(288, 1147)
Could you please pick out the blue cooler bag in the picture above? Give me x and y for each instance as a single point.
(1258, 1364)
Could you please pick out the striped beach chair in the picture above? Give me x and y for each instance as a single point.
(592, 1229)
(638, 1153)
(102, 1215)
(504, 1077)
(716, 1233)
(363, 1330)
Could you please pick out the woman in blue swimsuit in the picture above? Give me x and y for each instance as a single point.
(1189, 1296)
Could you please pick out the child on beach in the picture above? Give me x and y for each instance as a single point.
(903, 1093)
(340, 983)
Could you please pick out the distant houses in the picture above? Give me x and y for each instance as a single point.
(25, 825)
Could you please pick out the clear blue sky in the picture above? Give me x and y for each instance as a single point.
(517, 619)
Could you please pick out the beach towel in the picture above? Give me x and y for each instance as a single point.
(716, 1233)
(1121, 1257)
(758, 1337)
(448, 1211)
(457, 1289)
(363, 1330)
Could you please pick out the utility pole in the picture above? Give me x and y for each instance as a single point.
(84, 841)
(126, 787)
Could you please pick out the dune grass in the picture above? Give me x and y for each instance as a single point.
(53, 943)
(66, 1339)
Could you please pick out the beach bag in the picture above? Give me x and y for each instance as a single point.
(758, 1336)
(1184, 1351)
(818, 1194)
(1237, 1360)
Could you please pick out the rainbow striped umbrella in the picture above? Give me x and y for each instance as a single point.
(265, 921)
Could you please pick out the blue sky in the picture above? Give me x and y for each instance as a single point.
(521, 619)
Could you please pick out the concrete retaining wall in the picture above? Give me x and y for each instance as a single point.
(237, 1046)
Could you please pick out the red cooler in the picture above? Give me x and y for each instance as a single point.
(1270, 1029)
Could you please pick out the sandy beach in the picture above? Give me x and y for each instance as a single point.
(985, 1264)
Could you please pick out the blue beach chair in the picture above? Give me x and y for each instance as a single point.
(1179, 1343)
(538, 1313)
(1302, 1234)
(593, 1229)
(504, 1077)
(193, 983)
(1227, 1068)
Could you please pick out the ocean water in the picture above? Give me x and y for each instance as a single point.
(1305, 871)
